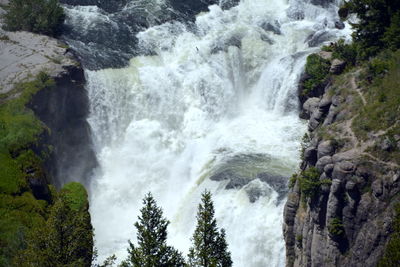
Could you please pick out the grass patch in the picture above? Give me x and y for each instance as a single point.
(382, 111)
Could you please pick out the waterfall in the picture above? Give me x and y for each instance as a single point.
(205, 105)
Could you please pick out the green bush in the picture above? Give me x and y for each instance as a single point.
(309, 183)
(39, 16)
(317, 70)
(335, 227)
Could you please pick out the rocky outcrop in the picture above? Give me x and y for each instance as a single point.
(63, 109)
(349, 220)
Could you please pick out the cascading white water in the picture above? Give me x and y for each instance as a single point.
(221, 97)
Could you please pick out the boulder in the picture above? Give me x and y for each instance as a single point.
(339, 25)
(337, 66)
(322, 162)
(325, 55)
(325, 148)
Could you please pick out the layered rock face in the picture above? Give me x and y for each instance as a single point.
(348, 219)
(23, 56)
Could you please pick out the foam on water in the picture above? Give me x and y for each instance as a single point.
(208, 94)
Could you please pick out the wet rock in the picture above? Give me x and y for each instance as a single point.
(318, 38)
(339, 25)
(277, 182)
(295, 13)
(337, 66)
(269, 27)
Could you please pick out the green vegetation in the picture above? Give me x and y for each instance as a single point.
(317, 70)
(33, 232)
(152, 249)
(378, 27)
(20, 131)
(209, 246)
(66, 238)
(75, 196)
(310, 183)
(335, 227)
(343, 51)
(391, 258)
(39, 16)
(381, 112)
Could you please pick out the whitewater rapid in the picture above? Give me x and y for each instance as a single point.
(215, 99)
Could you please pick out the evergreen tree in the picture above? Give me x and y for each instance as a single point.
(152, 249)
(209, 246)
(378, 24)
(65, 240)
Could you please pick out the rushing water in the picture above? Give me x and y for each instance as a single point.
(210, 104)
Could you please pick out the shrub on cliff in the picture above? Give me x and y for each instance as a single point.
(39, 16)
(317, 70)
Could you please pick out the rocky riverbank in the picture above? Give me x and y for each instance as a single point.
(341, 205)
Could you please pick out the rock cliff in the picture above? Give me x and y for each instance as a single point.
(63, 109)
(340, 207)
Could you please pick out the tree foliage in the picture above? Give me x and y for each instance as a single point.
(209, 247)
(39, 16)
(378, 25)
(65, 240)
(152, 249)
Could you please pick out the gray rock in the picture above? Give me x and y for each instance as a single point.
(350, 185)
(339, 25)
(325, 55)
(325, 103)
(377, 188)
(311, 104)
(342, 170)
(26, 54)
(310, 155)
(322, 162)
(337, 100)
(337, 66)
(325, 148)
(328, 169)
(347, 155)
